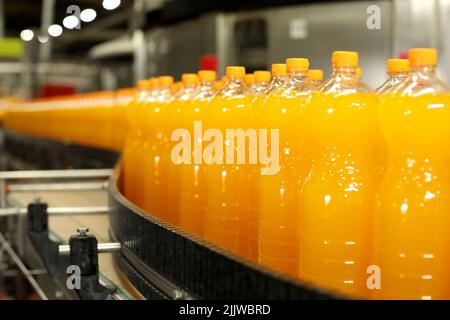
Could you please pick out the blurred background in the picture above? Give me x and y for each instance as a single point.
(54, 47)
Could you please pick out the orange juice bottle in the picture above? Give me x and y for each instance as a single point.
(315, 76)
(250, 85)
(262, 81)
(278, 76)
(131, 164)
(337, 198)
(118, 123)
(397, 70)
(284, 110)
(174, 121)
(155, 149)
(228, 177)
(192, 176)
(278, 79)
(411, 240)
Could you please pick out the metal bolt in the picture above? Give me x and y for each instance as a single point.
(82, 231)
(177, 294)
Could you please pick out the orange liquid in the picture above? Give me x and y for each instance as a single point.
(154, 155)
(193, 176)
(338, 196)
(130, 153)
(228, 199)
(412, 241)
(278, 204)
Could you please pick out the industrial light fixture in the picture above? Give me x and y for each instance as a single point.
(70, 22)
(55, 30)
(43, 38)
(88, 15)
(111, 4)
(27, 35)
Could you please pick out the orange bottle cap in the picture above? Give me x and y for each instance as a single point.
(397, 65)
(126, 92)
(297, 64)
(166, 81)
(262, 76)
(345, 59)
(278, 69)
(177, 86)
(422, 57)
(207, 75)
(315, 75)
(235, 72)
(189, 78)
(143, 84)
(218, 85)
(154, 82)
(249, 79)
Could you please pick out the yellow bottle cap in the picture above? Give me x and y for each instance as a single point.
(297, 64)
(249, 79)
(207, 75)
(262, 76)
(126, 92)
(315, 74)
(359, 72)
(345, 59)
(189, 78)
(218, 85)
(166, 81)
(177, 86)
(154, 82)
(278, 69)
(143, 84)
(235, 72)
(397, 65)
(422, 57)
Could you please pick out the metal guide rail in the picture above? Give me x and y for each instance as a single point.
(81, 254)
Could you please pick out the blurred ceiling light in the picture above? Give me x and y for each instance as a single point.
(88, 15)
(111, 4)
(43, 38)
(55, 30)
(70, 22)
(27, 35)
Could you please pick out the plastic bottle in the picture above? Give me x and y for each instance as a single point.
(155, 155)
(397, 70)
(250, 85)
(315, 76)
(411, 240)
(132, 143)
(228, 184)
(192, 176)
(337, 198)
(174, 122)
(284, 110)
(262, 81)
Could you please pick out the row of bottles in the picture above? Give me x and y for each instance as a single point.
(361, 178)
(93, 119)
(331, 183)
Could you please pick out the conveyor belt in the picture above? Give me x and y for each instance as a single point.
(157, 255)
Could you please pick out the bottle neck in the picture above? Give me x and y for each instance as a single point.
(295, 77)
(344, 71)
(398, 75)
(206, 85)
(426, 70)
(190, 86)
